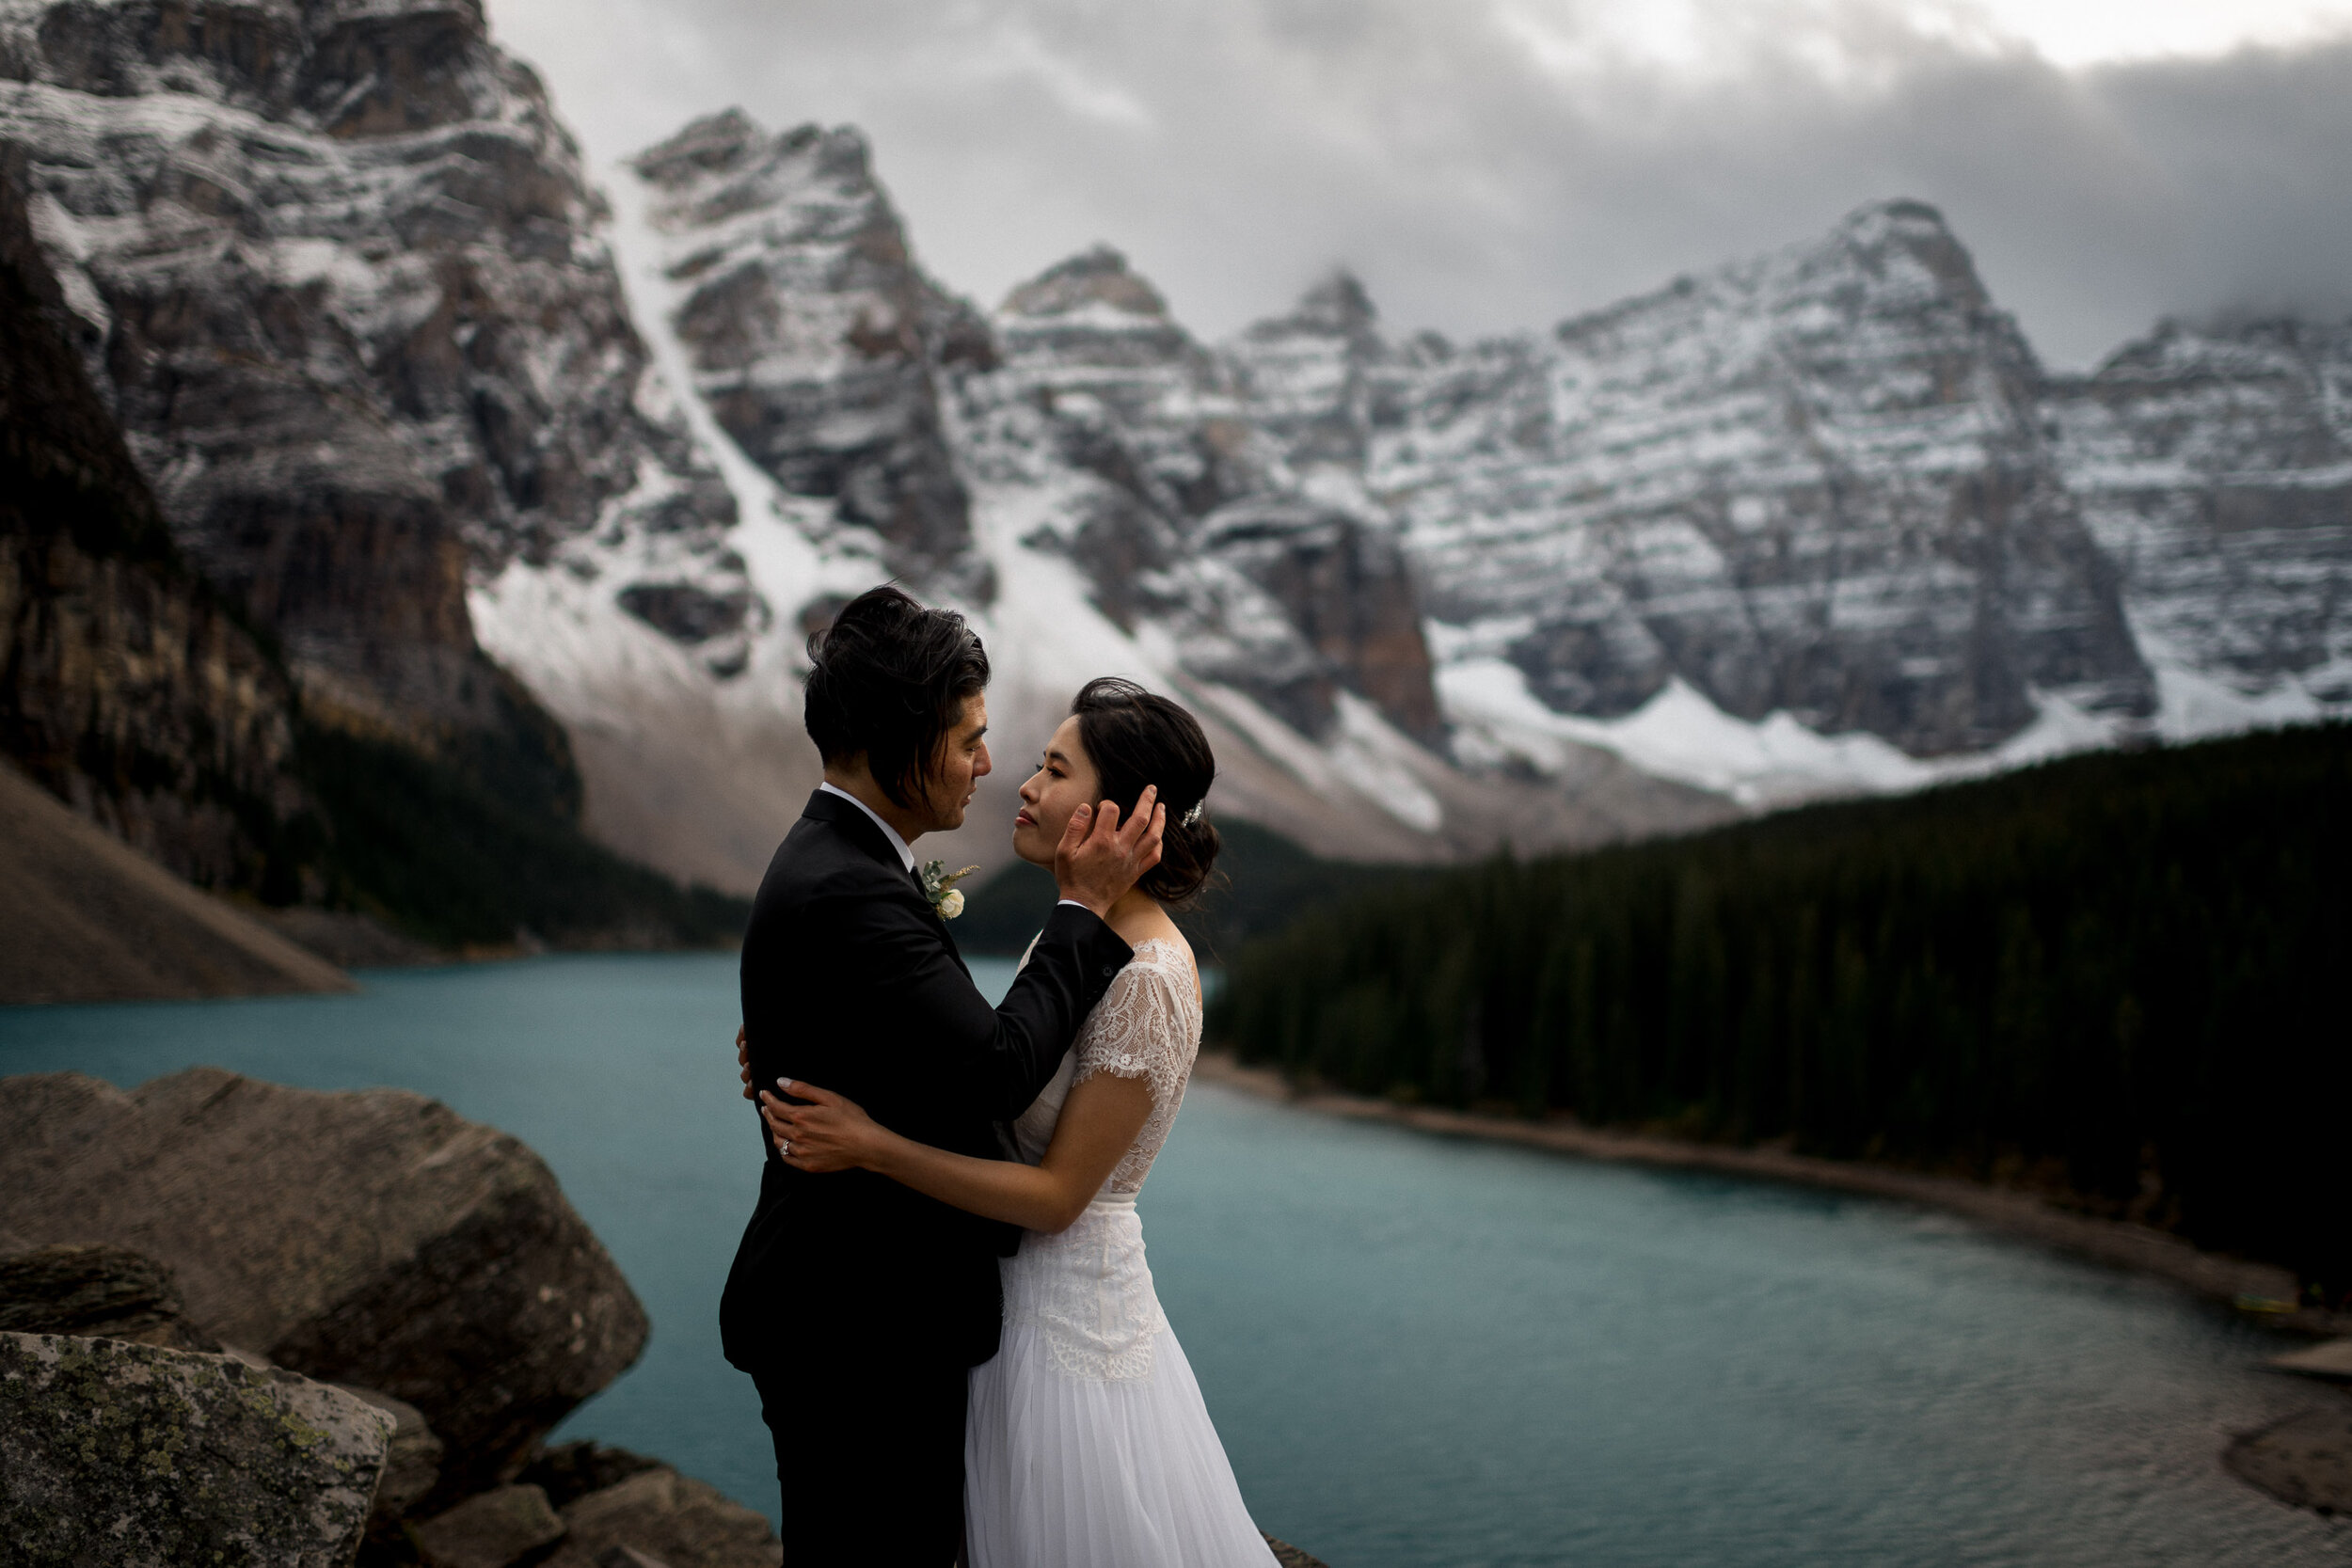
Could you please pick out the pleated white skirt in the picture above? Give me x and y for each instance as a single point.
(1087, 1444)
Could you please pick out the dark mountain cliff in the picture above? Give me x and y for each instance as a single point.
(333, 273)
(127, 685)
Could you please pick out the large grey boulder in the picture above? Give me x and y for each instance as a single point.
(374, 1238)
(137, 1456)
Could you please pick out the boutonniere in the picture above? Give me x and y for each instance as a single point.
(939, 886)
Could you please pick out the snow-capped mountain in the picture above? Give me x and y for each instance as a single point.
(1811, 484)
(414, 390)
(2214, 467)
(340, 272)
(1074, 470)
(814, 339)
(1195, 517)
(1817, 521)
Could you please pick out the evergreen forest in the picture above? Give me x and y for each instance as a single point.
(2113, 978)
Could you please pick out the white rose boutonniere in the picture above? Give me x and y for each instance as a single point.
(939, 886)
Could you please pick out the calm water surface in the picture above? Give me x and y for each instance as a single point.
(1421, 1353)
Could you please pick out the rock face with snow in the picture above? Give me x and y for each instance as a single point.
(814, 339)
(339, 273)
(848, 377)
(2216, 468)
(1812, 483)
(1074, 469)
(1188, 513)
(469, 441)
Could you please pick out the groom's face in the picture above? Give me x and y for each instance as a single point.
(958, 767)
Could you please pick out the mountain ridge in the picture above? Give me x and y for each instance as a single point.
(468, 432)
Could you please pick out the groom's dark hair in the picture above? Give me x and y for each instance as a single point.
(889, 677)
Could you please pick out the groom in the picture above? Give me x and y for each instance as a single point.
(857, 1305)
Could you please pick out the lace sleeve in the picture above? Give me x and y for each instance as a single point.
(1147, 1026)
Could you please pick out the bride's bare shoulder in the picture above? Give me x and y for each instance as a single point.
(1152, 928)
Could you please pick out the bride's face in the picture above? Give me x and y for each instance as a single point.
(1063, 782)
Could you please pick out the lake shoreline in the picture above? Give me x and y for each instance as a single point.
(2251, 1287)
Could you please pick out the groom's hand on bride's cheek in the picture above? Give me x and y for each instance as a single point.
(1100, 857)
(1151, 832)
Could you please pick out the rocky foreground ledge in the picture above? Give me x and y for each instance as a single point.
(247, 1324)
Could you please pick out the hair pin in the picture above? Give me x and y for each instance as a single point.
(1194, 815)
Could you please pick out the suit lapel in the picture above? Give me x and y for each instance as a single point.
(858, 829)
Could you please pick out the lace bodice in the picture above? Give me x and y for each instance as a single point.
(1147, 1026)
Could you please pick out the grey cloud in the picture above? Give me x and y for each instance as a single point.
(1236, 147)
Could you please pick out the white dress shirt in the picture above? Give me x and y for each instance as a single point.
(906, 856)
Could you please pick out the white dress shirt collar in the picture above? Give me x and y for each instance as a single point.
(906, 856)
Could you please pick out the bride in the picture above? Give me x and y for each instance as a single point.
(1086, 1444)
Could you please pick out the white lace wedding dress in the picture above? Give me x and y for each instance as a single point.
(1088, 1445)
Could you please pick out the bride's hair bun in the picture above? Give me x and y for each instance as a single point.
(1134, 737)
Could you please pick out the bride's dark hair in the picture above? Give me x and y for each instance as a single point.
(1133, 738)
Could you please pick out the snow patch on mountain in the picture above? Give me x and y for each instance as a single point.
(1096, 506)
(1761, 764)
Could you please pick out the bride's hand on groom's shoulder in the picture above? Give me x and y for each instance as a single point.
(743, 1065)
(828, 1133)
(1100, 857)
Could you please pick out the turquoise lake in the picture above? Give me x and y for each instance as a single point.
(1421, 1353)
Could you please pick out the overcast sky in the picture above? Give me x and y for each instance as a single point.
(1490, 164)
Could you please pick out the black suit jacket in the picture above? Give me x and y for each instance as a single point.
(851, 982)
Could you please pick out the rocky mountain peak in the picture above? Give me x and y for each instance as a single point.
(351, 69)
(1100, 276)
(820, 177)
(723, 143)
(1754, 481)
(2286, 347)
(1092, 325)
(811, 335)
(1334, 306)
(1307, 373)
(2213, 464)
(1906, 244)
(346, 287)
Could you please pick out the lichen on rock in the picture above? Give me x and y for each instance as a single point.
(173, 1457)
